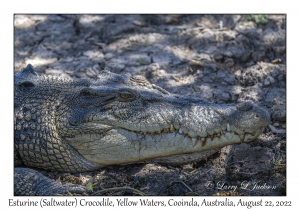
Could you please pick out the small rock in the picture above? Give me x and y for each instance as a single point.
(283, 126)
(170, 19)
(195, 63)
(223, 77)
(275, 130)
(90, 21)
(275, 96)
(229, 35)
(93, 54)
(229, 63)
(238, 73)
(96, 68)
(279, 50)
(100, 44)
(221, 95)
(138, 23)
(278, 145)
(209, 22)
(276, 61)
(203, 56)
(108, 56)
(53, 71)
(228, 53)
(114, 31)
(115, 66)
(269, 80)
(212, 66)
(276, 124)
(153, 66)
(89, 72)
(272, 80)
(22, 21)
(80, 75)
(279, 110)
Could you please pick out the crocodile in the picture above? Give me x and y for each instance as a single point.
(76, 125)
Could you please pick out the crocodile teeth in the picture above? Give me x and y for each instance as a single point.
(203, 141)
(172, 128)
(180, 131)
(194, 141)
(242, 137)
(228, 127)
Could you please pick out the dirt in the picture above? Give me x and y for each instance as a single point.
(222, 58)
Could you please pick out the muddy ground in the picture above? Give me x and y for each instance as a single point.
(222, 58)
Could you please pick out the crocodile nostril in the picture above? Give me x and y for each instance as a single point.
(244, 106)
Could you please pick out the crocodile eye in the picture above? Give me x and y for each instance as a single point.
(126, 95)
(85, 92)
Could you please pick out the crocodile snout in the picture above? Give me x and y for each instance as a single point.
(248, 118)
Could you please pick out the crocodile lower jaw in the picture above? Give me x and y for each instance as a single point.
(120, 146)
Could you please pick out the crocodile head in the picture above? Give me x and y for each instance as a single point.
(121, 119)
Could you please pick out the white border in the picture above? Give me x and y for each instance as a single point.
(153, 6)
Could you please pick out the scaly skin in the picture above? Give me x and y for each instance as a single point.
(76, 125)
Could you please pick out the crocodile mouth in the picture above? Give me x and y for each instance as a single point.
(122, 146)
(223, 133)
